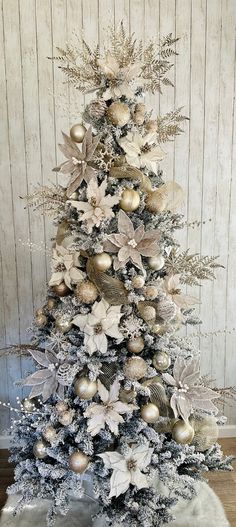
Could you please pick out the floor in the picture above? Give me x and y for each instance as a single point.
(224, 483)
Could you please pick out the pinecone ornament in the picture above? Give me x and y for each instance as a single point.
(66, 374)
(97, 109)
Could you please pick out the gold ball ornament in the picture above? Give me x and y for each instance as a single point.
(75, 196)
(182, 432)
(86, 292)
(156, 262)
(118, 113)
(161, 361)
(130, 200)
(77, 133)
(39, 312)
(138, 282)
(150, 413)
(84, 388)
(63, 324)
(66, 418)
(40, 449)
(61, 289)
(151, 292)
(135, 368)
(148, 313)
(102, 261)
(61, 406)
(41, 321)
(78, 462)
(28, 405)
(49, 433)
(136, 345)
(51, 303)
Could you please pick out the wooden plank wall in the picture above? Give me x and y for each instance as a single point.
(203, 160)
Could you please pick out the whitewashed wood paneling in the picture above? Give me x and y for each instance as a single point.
(203, 160)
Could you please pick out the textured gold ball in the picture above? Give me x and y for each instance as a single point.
(86, 292)
(77, 133)
(28, 405)
(138, 282)
(102, 261)
(149, 313)
(61, 289)
(182, 432)
(136, 345)
(156, 262)
(85, 388)
(66, 418)
(39, 449)
(130, 200)
(161, 361)
(51, 303)
(41, 321)
(61, 407)
(49, 433)
(118, 113)
(78, 462)
(63, 324)
(151, 292)
(150, 413)
(135, 368)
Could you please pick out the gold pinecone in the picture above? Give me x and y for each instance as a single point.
(97, 109)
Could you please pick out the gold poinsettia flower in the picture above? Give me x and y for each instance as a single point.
(142, 150)
(120, 79)
(173, 288)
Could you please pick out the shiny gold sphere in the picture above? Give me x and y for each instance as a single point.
(136, 345)
(182, 432)
(135, 368)
(49, 433)
(41, 321)
(40, 449)
(28, 405)
(51, 303)
(161, 361)
(156, 262)
(84, 388)
(138, 282)
(61, 289)
(78, 462)
(77, 133)
(74, 196)
(63, 324)
(86, 292)
(102, 261)
(150, 413)
(66, 418)
(154, 202)
(118, 113)
(61, 406)
(151, 292)
(130, 200)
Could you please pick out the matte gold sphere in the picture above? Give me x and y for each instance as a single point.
(86, 292)
(51, 303)
(151, 292)
(118, 113)
(148, 313)
(39, 449)
(85, 388)
(61, 289)
(63, 324)
(135, 368)
(154, 203)
(138, 282)
(41, 321)
(130, 200)
(28, 405)
(102, 261)
(49, 433)
(136, 345)
(156, 262)
(61, 406)
(161, 361)
(182, 432)
(77, 133)
(150, 413)
(78, 462)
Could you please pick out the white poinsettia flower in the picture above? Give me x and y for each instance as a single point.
(127, 469)
(109, 412)
(98, 207)
(103, 321)
(120, 78)
(65, 263)
(172, 286)
(142, 150)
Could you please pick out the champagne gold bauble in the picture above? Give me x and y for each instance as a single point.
(66, 418)
(138, 282)
(77, 133)
(156, 262)
(151, 292)
(153, 202)
(148, 313)
(75, 196)
(28, 405)
(136, 345)
(51, 303)
(102, 261)
(86, 292)
(63, 324)
(206, 432)
(61, 289)
(161, 361)
(41, 321)
(61, 406)
(135, 368)
(118, 113)
(49, 433)
(139, 113)
(39, 449)
(150, 413)
(78, 462)
(84, 388)
(182, 432)
(130, 200)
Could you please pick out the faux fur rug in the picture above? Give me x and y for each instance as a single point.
(203, 511)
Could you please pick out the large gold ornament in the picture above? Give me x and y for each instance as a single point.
(61, 289)
(168, 197)
(130, 200)
(102, 261)
(63, 324)
(206, 432)
(85, 388)
(135, 368)
(41, 320)
(86, 292)
(78, 462)
(161, 361)
(138, 282)
(77, 133)
(156, 262)
(40, 449)
(182, 432)
(49, 433)
(136, 345)
(150, 413)
(148, 313)
(118, 113)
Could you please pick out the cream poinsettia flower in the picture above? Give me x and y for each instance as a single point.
(103, 321)
(142, 150)
(120, 78)
(109, 412)
(127, 469)
(65, 263)
(98, 207)
(172, 286)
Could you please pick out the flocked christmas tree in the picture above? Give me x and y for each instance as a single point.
(116, 392)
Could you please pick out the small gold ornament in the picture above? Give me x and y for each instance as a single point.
(151, 292)
(61, 406)
(150, 413)
(40, 449)
(159, 329)
(182, 432)
(118, 113)
(49, 433)
(84, 388)
(77, 133)
(138, 282)
(127, 396)
(74, 196)
(86, 292)
(39, 312)
(139, 113)
(51, 303)
(151, 126)
(148, 313)
(63, 324)
(66, 418)
(61, 289)
(136, 345)
(156, 262)
(41, 321)
(130, 200)
(102, 261)
(161, 361)
(28, 405)
(206, 432)
(78, 462)
(135, 368)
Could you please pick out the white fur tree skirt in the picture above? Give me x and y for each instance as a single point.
(203, 511)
